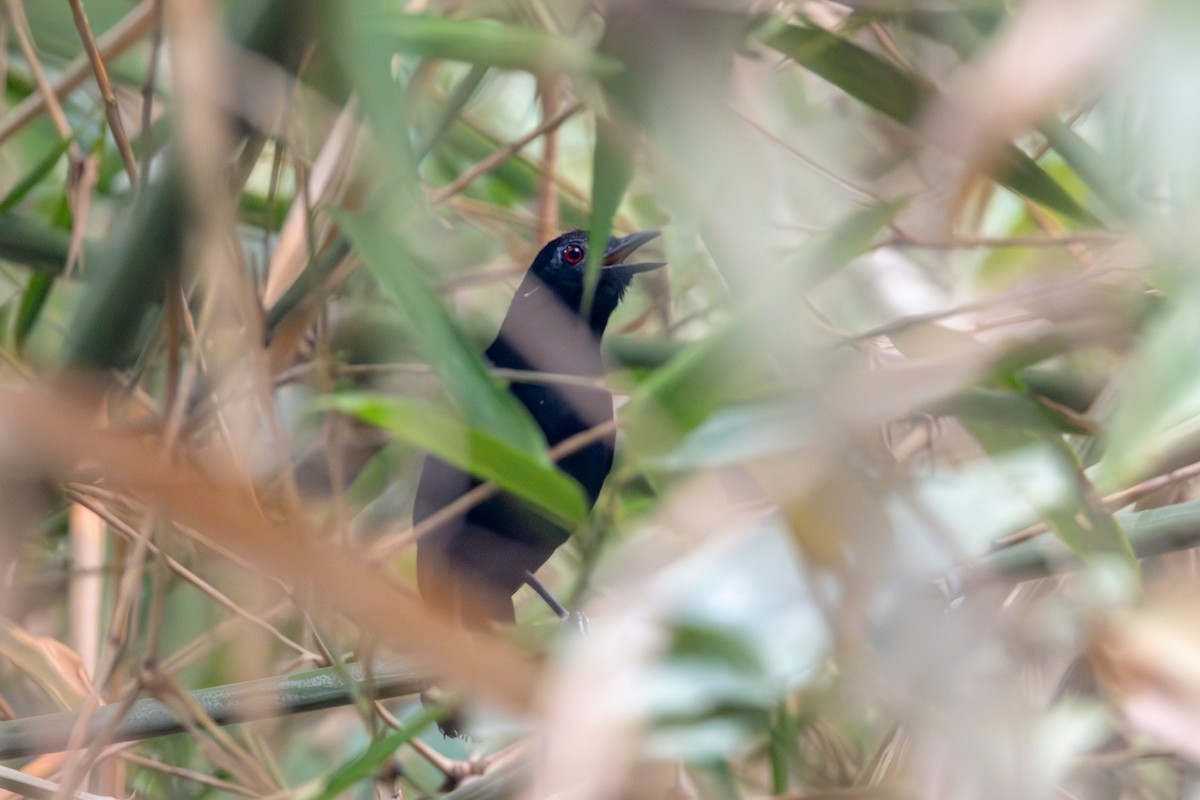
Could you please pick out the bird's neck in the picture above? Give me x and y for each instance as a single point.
(544, 331)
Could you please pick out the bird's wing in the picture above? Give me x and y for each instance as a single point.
(440, 485)
(469, 567)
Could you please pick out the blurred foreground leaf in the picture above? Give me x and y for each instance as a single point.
(128, 283)
(687, 390)
(612, 169)
(1004, 422)
(531, 477)
(37, 291)
(34, 245)
(485, 42)
(891, 91)
(364, 766)
(35, 175)
(1156, 420)
(447, 350)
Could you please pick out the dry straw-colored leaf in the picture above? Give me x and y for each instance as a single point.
(1051, 50)
(1148, 660)
(203, 493)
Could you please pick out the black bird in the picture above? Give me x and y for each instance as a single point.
(469, 568)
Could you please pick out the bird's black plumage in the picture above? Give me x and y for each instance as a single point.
(470, 567)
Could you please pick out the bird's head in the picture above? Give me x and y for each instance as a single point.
(561, 264)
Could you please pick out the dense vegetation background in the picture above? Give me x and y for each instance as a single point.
(908, 428)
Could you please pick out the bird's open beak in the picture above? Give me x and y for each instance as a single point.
(622, 248)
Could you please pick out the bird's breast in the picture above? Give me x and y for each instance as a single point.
(563, 411)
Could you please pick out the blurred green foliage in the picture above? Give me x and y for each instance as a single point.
(881, 380)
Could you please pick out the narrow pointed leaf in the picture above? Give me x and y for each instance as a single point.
(37, 291)
(487, 406)
(35, 175)
(487, 43)
(893, 92)
(32, 244)
(531, 477)
(612, 170)
(367, 764)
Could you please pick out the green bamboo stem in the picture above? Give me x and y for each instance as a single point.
(1151, 533)
(239, 702)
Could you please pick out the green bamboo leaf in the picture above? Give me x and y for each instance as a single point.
(1086, 162)
(859, 73)
(367, 764)
(891, 91)
(612, 170)
(1012, 409)
(487, 43)
(39, 247)
(34, 176)
(128, 283)
(37, 291)
(1155, 421)
(453, 106)
(1019, 172)
(967, 32)
(529, 476)
(366, 55)
(681, 395)
(1079, 519)
(304, 287)
(844, 242)
(518, 174)
(487, 406)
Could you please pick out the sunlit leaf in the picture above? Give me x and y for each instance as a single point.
(531, 477)
(35, 176)
(368, 763)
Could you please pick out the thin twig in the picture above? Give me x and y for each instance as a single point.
(20, 27)
(224, 750)
(1113, 502)
(502, 154)
(900, 239)
(148, 88)
(111, 110)
(183, 774)
(115, 41)
(383, 549)
(889, 46)
(186, 574)
(450, 768)
(816, 165)
(197, 648)
(1039, 292)
(417, 368)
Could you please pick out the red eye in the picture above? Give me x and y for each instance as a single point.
(573, 254)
